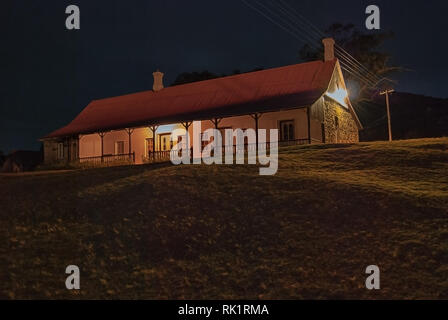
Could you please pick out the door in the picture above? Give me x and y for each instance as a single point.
(149, 145)
(287, 130)
(119, 147)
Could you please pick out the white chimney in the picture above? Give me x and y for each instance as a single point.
(158, 81)
(328, 49)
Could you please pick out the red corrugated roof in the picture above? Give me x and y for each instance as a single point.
(272, 89)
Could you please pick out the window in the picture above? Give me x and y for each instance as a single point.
(149, 145)
(119, 147)
(164, 139)
(60, 150)
(336, 122)
(165, 142)
(287, 130)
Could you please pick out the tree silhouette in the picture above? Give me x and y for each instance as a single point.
(365, 48)
(188, 77)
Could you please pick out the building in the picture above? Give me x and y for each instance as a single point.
(307, 102)
(21, 160)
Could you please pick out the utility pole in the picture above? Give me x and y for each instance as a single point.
(386, 93)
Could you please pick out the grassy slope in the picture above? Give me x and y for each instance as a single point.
(226, 232)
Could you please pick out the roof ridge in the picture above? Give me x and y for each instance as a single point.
(286, 86)
(214, 79)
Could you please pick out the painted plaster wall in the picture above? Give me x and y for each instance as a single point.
(346, 132)
(271, 120)
(90, 145)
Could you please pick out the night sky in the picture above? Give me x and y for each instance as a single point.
(49, 74)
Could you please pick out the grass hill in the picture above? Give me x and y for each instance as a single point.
(196, 232)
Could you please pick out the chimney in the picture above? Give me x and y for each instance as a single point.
(328, 49)
(158, 81)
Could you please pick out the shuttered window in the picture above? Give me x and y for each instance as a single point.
(119, 147)
(60, 150)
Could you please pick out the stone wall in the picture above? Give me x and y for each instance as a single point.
(51, 150)
(340, 127)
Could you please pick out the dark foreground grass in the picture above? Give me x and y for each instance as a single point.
(196, 232)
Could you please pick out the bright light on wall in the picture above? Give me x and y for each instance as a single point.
(353, 89)
(340, 95)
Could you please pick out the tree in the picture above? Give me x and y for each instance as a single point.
(188, 77)
(364, 47)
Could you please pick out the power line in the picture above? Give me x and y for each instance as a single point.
(347, 68)
(299, 29)
(339, 50)
(299, 35)
(342, 51)
(338, 47)
(273, 21)
(354, 70)
(302, 18)
(284, 7)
